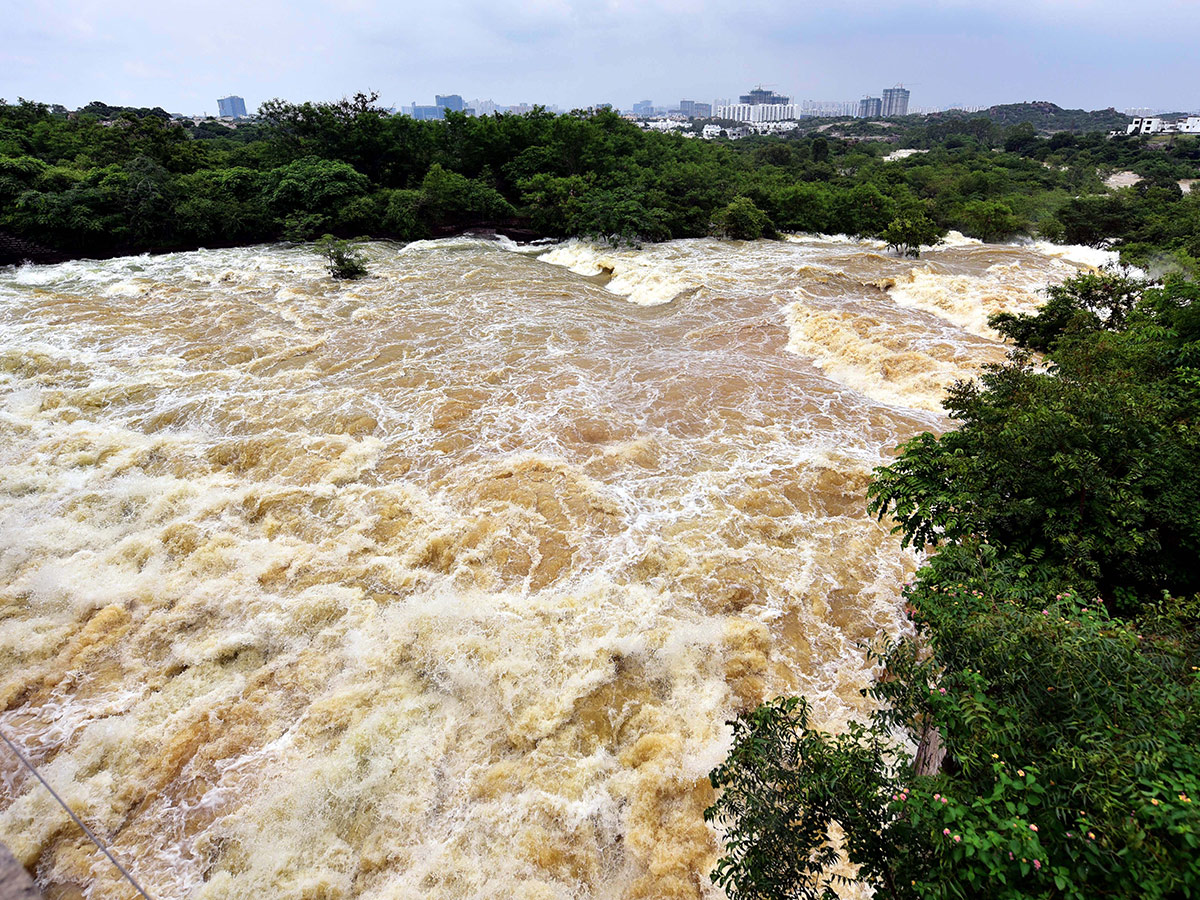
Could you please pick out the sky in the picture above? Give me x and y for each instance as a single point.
(184, 54)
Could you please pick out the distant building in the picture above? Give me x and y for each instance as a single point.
(233, 107)
(694, 110)
(870, 107)
(760, 96)
(452, 102)
(895, 101)
(756, 112)
(426, 113)
(828, 108)
(643, 108)
(1155, 125)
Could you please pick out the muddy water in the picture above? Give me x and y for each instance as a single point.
(443, 583)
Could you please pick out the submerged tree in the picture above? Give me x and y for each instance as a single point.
(342, 259)
(906, 233)
(741, 220)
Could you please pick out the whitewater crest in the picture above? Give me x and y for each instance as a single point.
(444, 583)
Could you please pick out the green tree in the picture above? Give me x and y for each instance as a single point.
(990, 220)
(309, 193)
(450, 198)
(864, 210)
(741, 220)
(1051, 688)
(1071, 764)
(341, 258)
(906, 233)
(781, 788)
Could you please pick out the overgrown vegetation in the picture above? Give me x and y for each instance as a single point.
(110, 180)
(1057, 662)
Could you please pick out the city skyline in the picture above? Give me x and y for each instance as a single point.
(571, 54)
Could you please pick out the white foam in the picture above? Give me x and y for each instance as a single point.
(444, 583)
(845, 239)
(642, 278)
(958, 239)
(1077, 254)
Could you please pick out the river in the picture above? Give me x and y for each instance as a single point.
(444, 583)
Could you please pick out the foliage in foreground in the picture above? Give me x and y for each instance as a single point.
(1073, 771)
(1057, 658)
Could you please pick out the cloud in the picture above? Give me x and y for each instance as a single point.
(577, 52)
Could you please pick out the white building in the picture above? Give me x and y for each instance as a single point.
(1156, 125)
(757, 112)
(1145, 125)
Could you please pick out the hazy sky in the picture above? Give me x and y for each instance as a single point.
(183, 54)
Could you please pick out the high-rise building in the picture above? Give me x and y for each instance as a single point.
(895, 101)
(483, 107)
(870, 108)
(643, 108)
(693, 109)
(452, 102)
(231, 106)
(760, 96)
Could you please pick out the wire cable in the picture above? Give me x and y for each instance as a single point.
(70, 812)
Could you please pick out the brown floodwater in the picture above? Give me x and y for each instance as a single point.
(443, 583)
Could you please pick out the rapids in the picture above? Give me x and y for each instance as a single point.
(443, 583)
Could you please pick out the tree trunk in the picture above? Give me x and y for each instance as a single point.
(930, 751)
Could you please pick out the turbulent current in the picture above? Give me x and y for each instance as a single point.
(443, 583)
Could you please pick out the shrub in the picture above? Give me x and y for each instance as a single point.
(741, 220)
(1073, 767)
(342, 259)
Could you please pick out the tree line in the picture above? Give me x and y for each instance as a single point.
(106, 180)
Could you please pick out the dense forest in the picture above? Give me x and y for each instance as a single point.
(106, 180)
